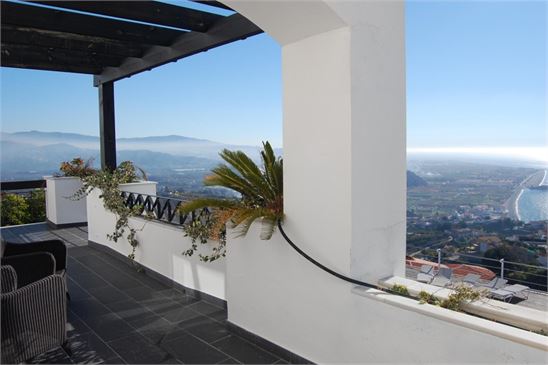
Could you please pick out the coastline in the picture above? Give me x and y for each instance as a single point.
(512, 204)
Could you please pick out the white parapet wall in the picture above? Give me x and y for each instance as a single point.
(60, 208)
(278, 295)
(160, 245)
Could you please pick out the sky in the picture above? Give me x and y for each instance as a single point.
(476, 77)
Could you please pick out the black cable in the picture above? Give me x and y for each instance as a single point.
(334, 273)
(324, 268)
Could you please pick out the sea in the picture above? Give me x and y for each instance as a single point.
(533, 204)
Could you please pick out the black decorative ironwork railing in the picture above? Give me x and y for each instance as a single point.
(22, 185)
(163, 209)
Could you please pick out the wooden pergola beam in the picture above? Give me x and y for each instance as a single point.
(55, 59)
(230, 29)
(69, 41)
(36, 17)
(152, 12)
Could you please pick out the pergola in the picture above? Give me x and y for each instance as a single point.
(111, 40)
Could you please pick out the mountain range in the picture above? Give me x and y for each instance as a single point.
(32, 154)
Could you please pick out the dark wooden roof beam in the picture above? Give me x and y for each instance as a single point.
(152, 12)
(230, 29)
(36, 17)
(55, 59)
(44, 38)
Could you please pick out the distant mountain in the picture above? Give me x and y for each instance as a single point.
(172, 144)
(24, 159)
(414, 180)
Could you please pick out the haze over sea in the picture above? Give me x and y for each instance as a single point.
(533, 204)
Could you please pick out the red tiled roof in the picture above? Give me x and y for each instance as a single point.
(463, 269)
(416, 263)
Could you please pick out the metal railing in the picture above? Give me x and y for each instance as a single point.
(534, 276)
(163, 209)
(22, 186)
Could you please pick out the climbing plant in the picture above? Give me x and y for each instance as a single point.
(108, 182)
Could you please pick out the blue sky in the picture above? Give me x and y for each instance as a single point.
(476, 77)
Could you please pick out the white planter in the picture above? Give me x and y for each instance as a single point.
(60, 209)
(160, 245)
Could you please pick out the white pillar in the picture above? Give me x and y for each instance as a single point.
(344, 129)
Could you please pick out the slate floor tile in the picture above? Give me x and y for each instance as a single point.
(75, 291)
(109, 326)
(88, 280)
(171, 310)
(244, 351)
(87, 348)
(205, 328)
(108, 294)
(87, 308)
(191, 350)
(135, 349)
(210, 310)
(129, 309)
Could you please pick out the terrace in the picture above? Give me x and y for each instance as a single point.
(118, 315)
(344, 86)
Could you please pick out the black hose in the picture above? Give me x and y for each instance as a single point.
(336, 274)
(324, 268)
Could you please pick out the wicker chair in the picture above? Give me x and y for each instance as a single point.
(34, 316)
(21, 256)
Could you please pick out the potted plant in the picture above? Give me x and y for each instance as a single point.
(260, 197)
(61, 211)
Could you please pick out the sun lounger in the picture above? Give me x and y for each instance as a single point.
(443, 277)
(496, 283)
(519, 290)
(426, 274)
(508, 292)
(471, 279)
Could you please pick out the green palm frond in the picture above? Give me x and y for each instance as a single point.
(261, 196)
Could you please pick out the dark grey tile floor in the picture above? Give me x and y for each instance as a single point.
(118, 315)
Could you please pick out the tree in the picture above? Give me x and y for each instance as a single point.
(37, 206)
(14, 209)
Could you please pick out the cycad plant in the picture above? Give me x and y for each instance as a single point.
(260, 193)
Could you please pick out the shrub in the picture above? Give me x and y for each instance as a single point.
(15, 209)
(400, 290)
(37, 206)
(77, 167)
(425, 297)
(462, 294)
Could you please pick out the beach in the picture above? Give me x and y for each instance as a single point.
(511, 205)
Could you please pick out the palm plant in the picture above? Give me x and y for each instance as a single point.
(260, 191)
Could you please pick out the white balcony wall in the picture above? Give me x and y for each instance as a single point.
(60, 209)
(278, 295)
(160, 246)
(343, 67)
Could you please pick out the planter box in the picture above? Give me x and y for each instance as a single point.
(61, 211)
(160, 246)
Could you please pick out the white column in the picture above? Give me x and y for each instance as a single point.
(344, 129)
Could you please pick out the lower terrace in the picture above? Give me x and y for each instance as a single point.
(119, 315)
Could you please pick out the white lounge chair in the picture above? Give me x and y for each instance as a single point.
(495, 283)
(510, 291)
(471, 279)
(443, 277)
(426, 274)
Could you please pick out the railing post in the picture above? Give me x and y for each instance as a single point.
(439, 258)
(501, 268)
